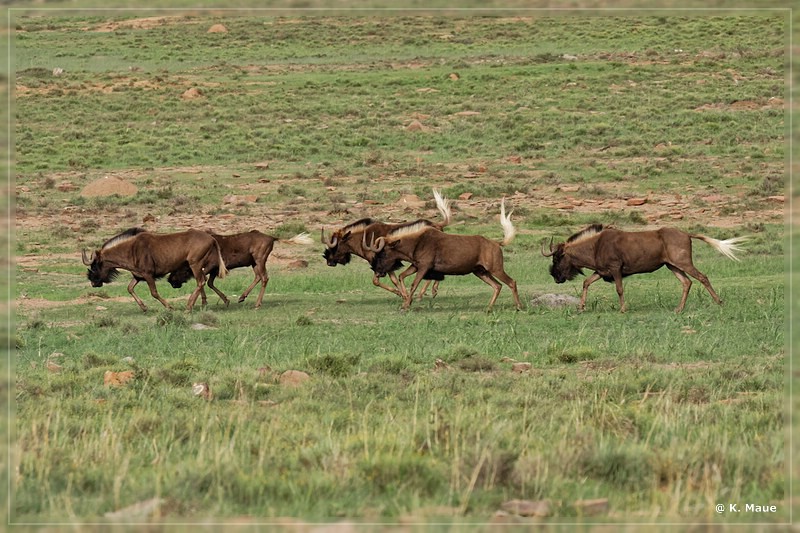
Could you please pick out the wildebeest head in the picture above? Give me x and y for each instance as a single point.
(337, 252)
(178, 277)
(99, 271)
(562, 268)
(384, 259)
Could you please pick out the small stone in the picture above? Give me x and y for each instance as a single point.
(520, 368)
(539, 508)
(293, 378)
(592, 507)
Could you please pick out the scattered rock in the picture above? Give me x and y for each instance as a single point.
(299, 263)
(554, 300)
(217, 28)
(636, 201)
(467, 113)
(453, 76)
(240, 199)
(465, 196)
(592, 507)
(264, 165)
(416, 125)
(411, 201)
(66, 186)
(199, 327)
(293, 378)
(777, 199)
(191, 93)
(202, 390)
(141, 510)
(520, 368)
(109, 186)
(515, 159)
(53, 367)
(117, 379)
(527, 507)
(58, 71)
(440, 365)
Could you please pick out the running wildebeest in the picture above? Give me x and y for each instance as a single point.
(251, 248)
(430, 250)
(150, 256)
(350, 239)
(614, 254)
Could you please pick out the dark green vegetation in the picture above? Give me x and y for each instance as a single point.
(417, 415)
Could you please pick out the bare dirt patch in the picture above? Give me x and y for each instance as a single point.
(109, 186)
(145, 23)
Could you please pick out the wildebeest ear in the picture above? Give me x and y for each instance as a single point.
(345, 236)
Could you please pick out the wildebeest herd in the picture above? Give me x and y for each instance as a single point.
(430, 252)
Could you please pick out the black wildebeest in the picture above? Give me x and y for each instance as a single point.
(150, 256)
(614, 254)
(251, 248)
(349, 240)
(430, 250)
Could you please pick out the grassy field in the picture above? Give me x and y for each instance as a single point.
(410, 417)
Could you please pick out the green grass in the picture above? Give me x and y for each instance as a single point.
(663, 414)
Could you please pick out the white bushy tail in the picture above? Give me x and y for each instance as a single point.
(300, 238)
(726, 247)
(509, 231)
(443, 205)
(222, 270)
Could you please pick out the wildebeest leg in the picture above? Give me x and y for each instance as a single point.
(702, 278)
(377, 282)
(211, 278)
(588, 281)
(505, 278)
(262, 276)
(200, 277)
(139, 301)
(396, 282)
(618, 285)
(489, 279)
(417, 279)
(685, 281)
(403, 275)
(151, 283)
(424, 288)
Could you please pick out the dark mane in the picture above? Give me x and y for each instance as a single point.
(357, 225)
(125, 235)
(408, 228)
(586, 232)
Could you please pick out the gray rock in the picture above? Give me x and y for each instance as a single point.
(555, 300)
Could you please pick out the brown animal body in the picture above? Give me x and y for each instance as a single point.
(614, 254)
(248, 249)
(350, 240)
(432, 251)
(150, 256)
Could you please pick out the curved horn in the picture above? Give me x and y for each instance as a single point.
(329, 242)
(322, 238)
(371, 245)
(87, 260)
(551, 248)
